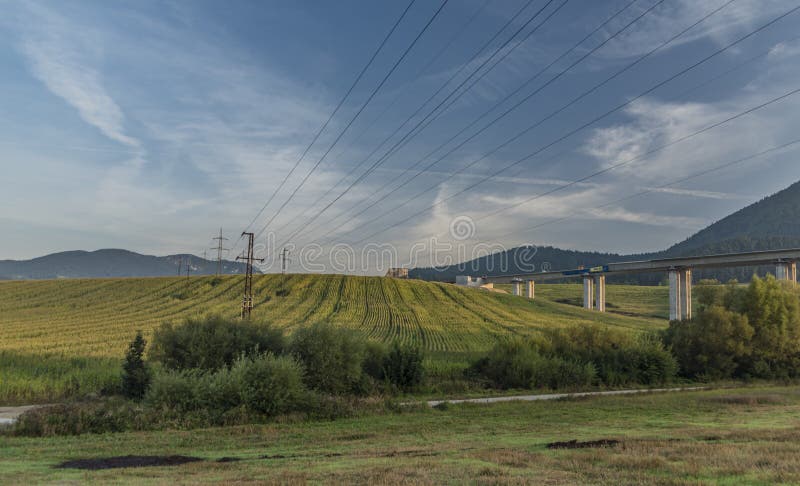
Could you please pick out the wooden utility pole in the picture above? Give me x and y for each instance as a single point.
(219, 249)
(247, 299)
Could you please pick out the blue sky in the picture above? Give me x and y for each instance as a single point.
(148, 125)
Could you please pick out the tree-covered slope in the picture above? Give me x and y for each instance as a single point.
(770, 224)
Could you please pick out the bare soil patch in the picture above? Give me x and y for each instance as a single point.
(591, 444)
(126, 461)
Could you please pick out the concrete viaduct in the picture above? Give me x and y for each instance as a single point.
(678, 269)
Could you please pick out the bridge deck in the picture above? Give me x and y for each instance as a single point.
(662, 265)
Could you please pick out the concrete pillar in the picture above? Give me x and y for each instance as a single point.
(793, 272)
(531, 288)
(600, 292)
(686, 294)
(588, 294)
(516, 288)
(674, 295)
(680, 294)
(782, 271)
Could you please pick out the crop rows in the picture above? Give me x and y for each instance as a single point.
(97, 317)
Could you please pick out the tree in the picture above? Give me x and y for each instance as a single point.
(136, 374)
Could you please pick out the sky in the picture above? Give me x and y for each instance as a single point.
(149, 125)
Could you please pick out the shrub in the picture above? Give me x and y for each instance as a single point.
(175, 390)
(271, 385)
(620, 358)
(510, 364)
(265, 385)
(333, 358)
(76, 418)
(577, 357)
(135, 373)
(402, 367)
(738, 332)
(712, 345)
(212, 343)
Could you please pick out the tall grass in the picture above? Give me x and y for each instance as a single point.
(28, 379)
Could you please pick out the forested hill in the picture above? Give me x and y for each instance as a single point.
(109, 263)
(770, 224)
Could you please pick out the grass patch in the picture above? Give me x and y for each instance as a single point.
(665, 441)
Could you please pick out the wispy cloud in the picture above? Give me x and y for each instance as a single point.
(59, 57)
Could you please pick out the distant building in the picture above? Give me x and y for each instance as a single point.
(478, 282)
(397, 273)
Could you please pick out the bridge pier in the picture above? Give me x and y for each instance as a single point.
(680, 294)
(600, 292)
(588, 292)
(786, 271)
(531, 289)
(516, 287)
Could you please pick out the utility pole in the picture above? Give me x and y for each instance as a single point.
(219, 249)
(284, 259)
(247, 299)
(180, 265)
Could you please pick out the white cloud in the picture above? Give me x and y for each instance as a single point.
(59, 57)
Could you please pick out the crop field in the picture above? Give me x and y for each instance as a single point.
(97, 317)
(723, 436)
(60, 336)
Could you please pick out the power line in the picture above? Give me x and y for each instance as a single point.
(389, 106)
(338, 106)
(389, 152)
(484, 114)
(397, 98)
(664, 186)
(431, 97)
(595, 120)
(544, 119)
(361, 109)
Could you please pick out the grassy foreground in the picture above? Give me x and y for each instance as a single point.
(725, 436)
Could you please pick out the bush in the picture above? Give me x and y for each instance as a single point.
(741, 333)
(135, 373)
(265, 385)
(271, 385)
(333, 358)
(212, 343)
(620, 358)
(577, 357)
(175, 390)
(713, 345)
(402, 367)
(80, 418)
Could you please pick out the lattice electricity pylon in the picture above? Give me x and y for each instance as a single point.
(247, 299)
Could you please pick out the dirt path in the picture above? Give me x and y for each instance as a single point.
(8, 415)
(556, 396)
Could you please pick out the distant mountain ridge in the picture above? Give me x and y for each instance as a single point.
(770, 224)
(110, 263)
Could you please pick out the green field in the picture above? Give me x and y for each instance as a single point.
(97, 317)
(725, 436)
(62, 337)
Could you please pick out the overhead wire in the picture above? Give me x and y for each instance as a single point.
(470, 125)
(595, 120)
(360, 110)
(411, 132)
